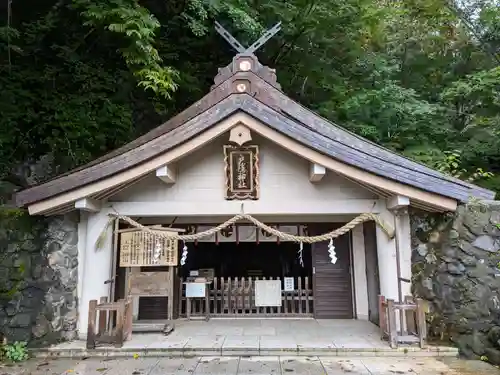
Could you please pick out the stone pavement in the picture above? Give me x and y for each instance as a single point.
(252, 366)
(233, 337)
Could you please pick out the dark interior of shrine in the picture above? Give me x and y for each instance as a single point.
(249, 259)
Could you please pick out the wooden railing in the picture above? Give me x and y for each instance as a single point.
(108, 332)
(410, 315)
(235, 297)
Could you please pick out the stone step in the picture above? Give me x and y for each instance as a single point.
(125, 352)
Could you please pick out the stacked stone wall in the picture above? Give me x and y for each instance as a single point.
(455, 264)
(39, 278)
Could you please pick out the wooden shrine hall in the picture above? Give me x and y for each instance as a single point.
(245, 204)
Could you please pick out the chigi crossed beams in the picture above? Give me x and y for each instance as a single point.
(255, 46)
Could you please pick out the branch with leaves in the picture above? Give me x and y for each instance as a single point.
(138, 27)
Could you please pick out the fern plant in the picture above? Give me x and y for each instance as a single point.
(138, 28)
(16, 352)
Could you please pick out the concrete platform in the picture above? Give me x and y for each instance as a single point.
(261, 365)
(255, 337)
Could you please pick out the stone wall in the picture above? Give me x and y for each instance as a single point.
(456, 267)
(38, 275)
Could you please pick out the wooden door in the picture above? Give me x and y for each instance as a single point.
(332, 282)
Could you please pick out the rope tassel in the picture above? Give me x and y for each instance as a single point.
(99, 243)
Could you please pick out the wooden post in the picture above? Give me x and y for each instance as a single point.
(170, 301)
(181, 298)
(421, 325)
(382, 317)
(411, 317)
(91, 324)
(306, 289)
(114, 261)
(207, 303)
(103, 317)
(129, 319)
(299, 279)
(120, 320)
(188, 308)
(391, 317)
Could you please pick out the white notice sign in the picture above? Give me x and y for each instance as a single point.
(267, 293)
(195, 290)
(289, 284)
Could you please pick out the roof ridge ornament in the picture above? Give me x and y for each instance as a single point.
(245, 60)
(255, 46)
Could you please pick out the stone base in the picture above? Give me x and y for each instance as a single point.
(111, 352)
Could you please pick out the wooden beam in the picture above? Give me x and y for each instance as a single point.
(397, 201)
(166, 173)
(88, 204)
(255, 208)
(316, 172)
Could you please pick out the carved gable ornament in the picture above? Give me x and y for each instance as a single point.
(242, 172)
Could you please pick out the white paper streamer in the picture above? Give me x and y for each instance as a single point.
(331, 252)
(301, 261)
(184, 254)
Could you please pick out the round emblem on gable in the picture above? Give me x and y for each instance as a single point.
(241, 87)
(245, 65)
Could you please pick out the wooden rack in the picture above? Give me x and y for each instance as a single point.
(107, 334)
(412, 319)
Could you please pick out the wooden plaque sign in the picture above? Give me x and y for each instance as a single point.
(141, 249)
(242, 172)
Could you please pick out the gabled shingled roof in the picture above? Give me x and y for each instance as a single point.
(264, 100)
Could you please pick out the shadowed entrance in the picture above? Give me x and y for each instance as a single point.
(236, 268)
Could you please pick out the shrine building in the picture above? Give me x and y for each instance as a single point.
(246, 148)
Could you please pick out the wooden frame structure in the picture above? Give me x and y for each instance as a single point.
(107, 333)
(411, 314)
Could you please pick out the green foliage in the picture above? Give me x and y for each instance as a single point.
(138, 27)
(17, 234)
(452, 165)
(16, 352)
(82, 77)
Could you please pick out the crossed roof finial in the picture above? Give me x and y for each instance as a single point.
(255, 46)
